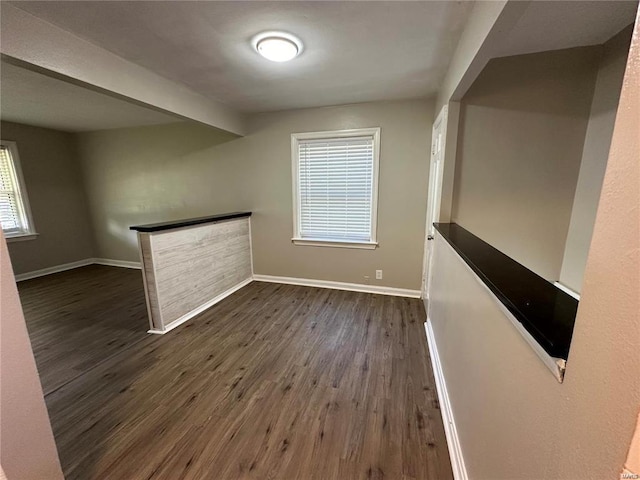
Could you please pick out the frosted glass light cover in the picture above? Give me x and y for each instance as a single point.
(277, 49)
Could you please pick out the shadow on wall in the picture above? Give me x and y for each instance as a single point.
(535, 82)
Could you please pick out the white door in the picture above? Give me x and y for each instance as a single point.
(436, 171)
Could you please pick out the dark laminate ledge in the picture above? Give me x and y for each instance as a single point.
(545, 311)
(188, 222)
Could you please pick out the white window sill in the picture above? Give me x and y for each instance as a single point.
(334, 243)
(21, 237)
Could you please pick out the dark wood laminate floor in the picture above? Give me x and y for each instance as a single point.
(274, 382)
(79, 318)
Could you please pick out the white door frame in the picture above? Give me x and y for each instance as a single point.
(436, 171)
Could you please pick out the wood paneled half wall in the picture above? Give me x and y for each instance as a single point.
(187, 269)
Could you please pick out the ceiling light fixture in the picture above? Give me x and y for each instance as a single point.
(277, 46)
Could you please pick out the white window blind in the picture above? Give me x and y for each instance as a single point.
(336, 188)
(13, 215)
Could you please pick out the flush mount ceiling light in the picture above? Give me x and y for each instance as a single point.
(277, 46)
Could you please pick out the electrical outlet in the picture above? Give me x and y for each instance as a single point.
(366, 279)
(378, 274)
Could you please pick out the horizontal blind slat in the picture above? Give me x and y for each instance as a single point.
(335, 188)
(10, 212)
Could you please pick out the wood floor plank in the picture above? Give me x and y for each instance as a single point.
(274, 382)
(78, 318)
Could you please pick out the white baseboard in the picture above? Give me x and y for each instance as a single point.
(353, 287)
(453, 441)
(201, 308)
(70, 266)
(58, 268)
(117, 263)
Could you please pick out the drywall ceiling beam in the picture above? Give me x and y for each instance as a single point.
(485, 28)
(31, 42)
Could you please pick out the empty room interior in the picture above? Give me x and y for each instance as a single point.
(320, 240)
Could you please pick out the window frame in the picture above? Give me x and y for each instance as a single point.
(295, 163)
(21, 196)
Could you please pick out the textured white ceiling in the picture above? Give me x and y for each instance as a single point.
(547, 25)
(354, 51)
(34, 99)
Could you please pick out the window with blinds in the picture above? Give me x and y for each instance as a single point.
(14, 215)
(336, 187)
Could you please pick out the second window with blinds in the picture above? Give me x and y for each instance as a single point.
(15, 215)
(335, 188)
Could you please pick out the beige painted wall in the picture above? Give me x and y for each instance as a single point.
(148, 174)
(515, 421)
(56, 195)
(521, 136)
(482, 36)
(633, 457)
(594, 158)
(404, 167)
(27, 448)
